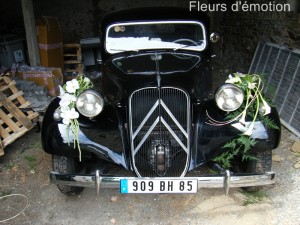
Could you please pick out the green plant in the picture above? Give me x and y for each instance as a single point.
(9, 165)
(212, 171)
(253, 197)
(254, 108)
(33, 146)
(4, 193)
(255, 105)
(238, 146)
(31, 161)
(37, 145)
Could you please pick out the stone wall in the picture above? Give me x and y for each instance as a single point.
(242, 31)
(76, 17)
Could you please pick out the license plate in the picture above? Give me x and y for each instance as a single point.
(158, 186)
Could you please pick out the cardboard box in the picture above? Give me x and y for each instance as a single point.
(50, 42)
(50, 79)
(52, 57)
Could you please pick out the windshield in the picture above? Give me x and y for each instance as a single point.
(188, 35)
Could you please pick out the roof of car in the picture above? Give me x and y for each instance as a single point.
(154, 13)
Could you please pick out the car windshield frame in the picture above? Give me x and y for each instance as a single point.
(117, 45)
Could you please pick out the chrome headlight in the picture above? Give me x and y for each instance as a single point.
(229, 97)
(90, 103)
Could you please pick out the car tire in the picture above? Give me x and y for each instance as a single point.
(65, 165)
(261, 164)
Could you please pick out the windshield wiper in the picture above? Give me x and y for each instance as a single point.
(125, 50)
(188, 45)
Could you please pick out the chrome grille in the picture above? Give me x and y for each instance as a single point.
(159, 119)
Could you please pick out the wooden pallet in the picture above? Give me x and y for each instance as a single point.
(13, 121)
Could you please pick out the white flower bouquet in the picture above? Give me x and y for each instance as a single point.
(252, 85)
(254, 108)
(68, 112)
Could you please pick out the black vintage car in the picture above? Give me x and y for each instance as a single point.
(153, 131)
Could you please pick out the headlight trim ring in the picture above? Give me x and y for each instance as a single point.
(90, 103)
(229, 97)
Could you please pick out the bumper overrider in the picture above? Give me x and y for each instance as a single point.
(225, 181)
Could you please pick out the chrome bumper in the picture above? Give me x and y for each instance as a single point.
(225, 181)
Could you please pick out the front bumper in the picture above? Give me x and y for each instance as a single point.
(225, 181)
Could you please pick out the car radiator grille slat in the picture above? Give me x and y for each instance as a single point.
(159, 117)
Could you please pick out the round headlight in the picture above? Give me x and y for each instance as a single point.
(90, 103)
(229, 97)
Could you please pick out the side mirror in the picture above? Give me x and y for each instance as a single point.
(215, 37)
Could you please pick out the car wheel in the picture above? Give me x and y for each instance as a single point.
(64, 165)
(261, 164)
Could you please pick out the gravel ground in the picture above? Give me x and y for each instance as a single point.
(286, 192)
(25, 167)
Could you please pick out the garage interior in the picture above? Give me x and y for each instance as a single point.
(79, 24)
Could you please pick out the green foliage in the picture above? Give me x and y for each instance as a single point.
(9, 165)
(235, 114)
(253, 197)
(225, 159)
(34, 146)
(31, 161)
(4, 193)
(268, 122)
(30, 158)
(212, 171)
(254, 108)
(238, 146)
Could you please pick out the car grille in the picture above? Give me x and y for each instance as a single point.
(159, 131)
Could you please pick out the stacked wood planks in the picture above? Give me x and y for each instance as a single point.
(13, 121)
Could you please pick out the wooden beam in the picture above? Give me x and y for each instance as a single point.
(31, 36)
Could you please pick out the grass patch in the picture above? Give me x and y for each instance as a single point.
(4, 193)
(33, 146)
(31, 162)
(213, 172)
(253, 197)
(9, 166)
